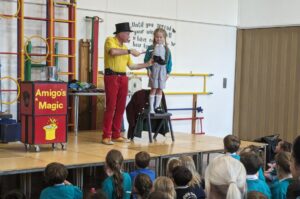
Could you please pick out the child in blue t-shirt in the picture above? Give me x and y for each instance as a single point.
(56, 175)
(118, 183)
(142, 160)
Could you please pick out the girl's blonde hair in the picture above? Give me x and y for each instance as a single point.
(171, 164)
(228, 176)
(161, 30)
(188, 162)
(166, 185)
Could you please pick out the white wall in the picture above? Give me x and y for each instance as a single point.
(204, 41)
(268, 13)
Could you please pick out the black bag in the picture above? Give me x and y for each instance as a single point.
(272, 141)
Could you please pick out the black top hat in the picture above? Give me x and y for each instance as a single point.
(122, 27)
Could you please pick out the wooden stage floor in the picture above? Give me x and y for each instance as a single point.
(86, 150)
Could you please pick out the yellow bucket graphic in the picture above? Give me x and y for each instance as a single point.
(50, 131)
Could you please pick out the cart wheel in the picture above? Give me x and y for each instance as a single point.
(54, 146)
(27, 147)
(64, 146)
(36, 148)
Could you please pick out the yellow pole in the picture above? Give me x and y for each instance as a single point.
(178, 74)
(22, 58)
(204, 84)
(187, 93)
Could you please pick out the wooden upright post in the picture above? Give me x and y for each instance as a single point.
(194, 113)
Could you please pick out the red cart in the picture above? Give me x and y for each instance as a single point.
(44, 114)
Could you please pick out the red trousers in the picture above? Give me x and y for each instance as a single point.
(116, 90)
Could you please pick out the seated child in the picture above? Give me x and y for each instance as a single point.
(142, 186)
(142, 160)
(270, 174)
(232, 145)
(56, 175)
(166, 185)
(171, 164)
(118, 183)
(189, 163)
(252, 164)
(279, 186)
(182, 176)
(256, 150)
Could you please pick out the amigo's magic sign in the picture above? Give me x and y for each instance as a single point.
(49, 99)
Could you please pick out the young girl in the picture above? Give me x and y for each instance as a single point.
(171, 164)
(56, 175)
(225, 177)
(279, 187)
(118, 184)
(165, 185)
(158, 73)
(188, 162)
(142, 186)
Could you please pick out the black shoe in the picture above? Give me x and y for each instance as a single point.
(159, 110)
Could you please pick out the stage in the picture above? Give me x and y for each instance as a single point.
(85, 150)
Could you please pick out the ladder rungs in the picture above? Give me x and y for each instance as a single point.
(62, 55)
(65, 73)
(64, 3)
(64, 21)
(64, 38)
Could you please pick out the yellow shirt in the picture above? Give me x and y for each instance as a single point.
(115, 63)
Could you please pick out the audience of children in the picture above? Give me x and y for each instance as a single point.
(142, 186)
(181, 177)
(142, 160)
(165, 184)
(55, 176)
(230, 176)
(284, 176)
(118, 183)
(225, 177)
(294, 188)
(252, 163)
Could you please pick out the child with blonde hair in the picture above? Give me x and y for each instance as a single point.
(158, 73)
(171, 164)
(188, 162)
(225, 177)
(166, 185)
